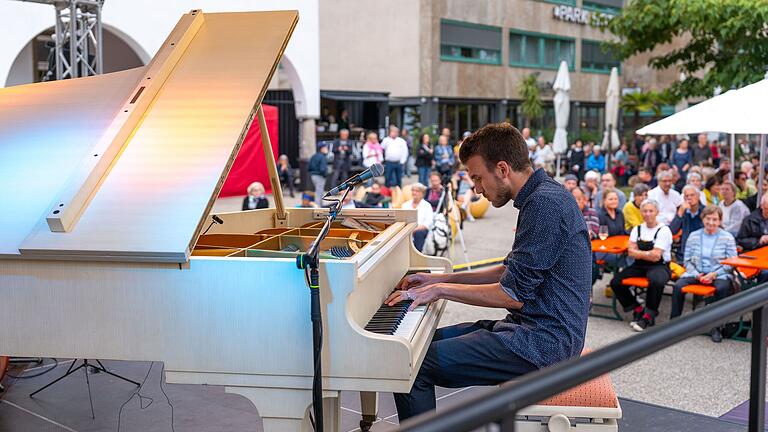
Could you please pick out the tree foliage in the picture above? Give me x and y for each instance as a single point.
(725, 41)
(531, 105)
(638, 102)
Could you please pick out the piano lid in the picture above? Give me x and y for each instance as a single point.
(171, 149)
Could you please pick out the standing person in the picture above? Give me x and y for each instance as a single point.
(544, 281)
(344, 122)
(257, 197)
(576, 159)
(424, 159)
(373, 153)
(446, 132)
(650, 245)
(395, 155)
(681, 160)
(688, 218)
(701, 153)
(665, 149)
(342, 157)
(318, 170)
(631, 210)
(651, 158)
(734, 211)
(545, 156)
(408, 164)
(714, 148)
(444, 157)
(666, 198)
(424, 214)
(529, 141)
(596, 161)
(285, 172)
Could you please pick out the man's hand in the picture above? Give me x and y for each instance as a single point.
(683, 207)
(763, 239)
(417, 280)
(425, 294)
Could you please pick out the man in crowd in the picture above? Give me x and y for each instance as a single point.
(744, 189)
(571, 182)
(424, 214)
(342, 153)
(687, 218)
(318, 169)
(591, 188)
(547, 272)
(529, 141)
(701, 153)
(645, 175)
(754, 232)
(751, 201)
(667, 198)
(395, 155)
(608, 181)
(576, 159)
(590, 215)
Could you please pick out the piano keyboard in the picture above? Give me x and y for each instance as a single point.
(397, 320)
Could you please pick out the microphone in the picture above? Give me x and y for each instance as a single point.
(375, 170)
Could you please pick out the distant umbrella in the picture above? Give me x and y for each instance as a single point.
(562, 102)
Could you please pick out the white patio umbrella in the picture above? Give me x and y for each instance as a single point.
(562, 102)
(733, 112)
(611, 135)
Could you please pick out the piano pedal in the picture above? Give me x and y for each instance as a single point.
(367, 422)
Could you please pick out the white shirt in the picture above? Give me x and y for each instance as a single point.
(424, 209)
(395, 150)
(663, 239)
(668, 203)
(733, 216)
(544, 155)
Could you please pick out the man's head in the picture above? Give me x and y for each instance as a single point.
(640, 192)
(596, 150)
(578, 143)
(652, 143)
(542, 142)
(435, 181)
(323, 148)
(702, 140)
(728, 191)
(581, 199)
(747, 168)
(665, 181)
(394, 131)
(446, 132)
(691, 196)
(344, 134)
(764, 206)
(496, 156)
(526, 133)
(645, 175)
(607, 181)
(404, 132)
(725, 164)
(649, 209)
(375, 188)
(570, 182)
(694, 179)
(590, 179)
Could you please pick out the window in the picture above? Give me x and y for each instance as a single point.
(565, 2)
(612, 7)
(465, 116)
(595, 59)
(476, 43)
(540, 51)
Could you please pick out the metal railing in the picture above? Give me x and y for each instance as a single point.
(500, 407)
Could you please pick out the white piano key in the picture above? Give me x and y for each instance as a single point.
(410, 322)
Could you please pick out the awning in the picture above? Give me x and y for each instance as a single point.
(354, 96)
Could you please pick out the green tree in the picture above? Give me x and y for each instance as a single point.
(639, 102)
(532, 106)
(725, 41)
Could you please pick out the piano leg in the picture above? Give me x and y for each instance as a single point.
(287, 410)
(369, 407)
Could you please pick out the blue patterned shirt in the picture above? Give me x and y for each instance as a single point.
(549, 270)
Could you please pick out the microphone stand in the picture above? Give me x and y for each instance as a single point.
(310, 261)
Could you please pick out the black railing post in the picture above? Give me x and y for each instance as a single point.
(508, 423)
(757, 373)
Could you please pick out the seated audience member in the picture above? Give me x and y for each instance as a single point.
(645, 175)
(687, 218)
(695, 180)
(374, 197)
(285, 172)
(570, 182)
(668, 199)
(307, 200)
(734, 211)
(752, 234)
(751, 201)
(712, 190)
(424, 217)
(593, 224)
(631, 210)
(610, 215)
(703, 252)
(591, 187)
(435, 191)
(608, 181)
(596, 161)
(256, 198)
(465, 193)
(650, 245)
(744, 189)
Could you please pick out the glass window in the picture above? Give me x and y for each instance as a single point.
(540, 51)
(460, 41)
(595, 58)
(607, 6)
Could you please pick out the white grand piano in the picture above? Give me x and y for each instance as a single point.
(106, 185)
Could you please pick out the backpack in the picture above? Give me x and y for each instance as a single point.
(439, 238)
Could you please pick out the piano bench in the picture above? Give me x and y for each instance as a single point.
(590, 407)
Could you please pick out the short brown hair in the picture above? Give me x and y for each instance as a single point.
(497, 142)
(712, 209)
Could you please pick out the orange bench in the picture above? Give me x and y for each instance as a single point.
(4, 361)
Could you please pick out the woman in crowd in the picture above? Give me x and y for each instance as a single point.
(631, 210)
(374, 197)
(610, 216)
(688, 218)
(424, 158)
(704, 251)
(465, 194)
(650, 245)
(285, 172)
(435, 191)
(424, 214)
(734, 210)
(681, 158)
(596, 161)
(256, 198)
(712, 190)
(373, 153)
(444, 157)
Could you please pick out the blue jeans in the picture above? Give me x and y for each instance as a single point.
(461, 355)
(419, 236)
(393, 174)
(424, 175)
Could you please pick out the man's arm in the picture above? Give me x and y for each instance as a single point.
(487, 295)
(484, 276)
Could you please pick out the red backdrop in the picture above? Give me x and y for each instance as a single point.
(250, 165)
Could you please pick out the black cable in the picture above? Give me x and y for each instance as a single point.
(55, 364)
(167, 399)
(209, 227)
(136, 392)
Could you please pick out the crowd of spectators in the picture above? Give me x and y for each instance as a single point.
(683, 207)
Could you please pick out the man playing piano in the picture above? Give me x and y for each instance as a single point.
(544, 281)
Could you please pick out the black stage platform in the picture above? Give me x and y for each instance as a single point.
(65, 407)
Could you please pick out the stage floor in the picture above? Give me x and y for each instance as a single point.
(64, 407)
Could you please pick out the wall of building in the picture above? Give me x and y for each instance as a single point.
(370, 45)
